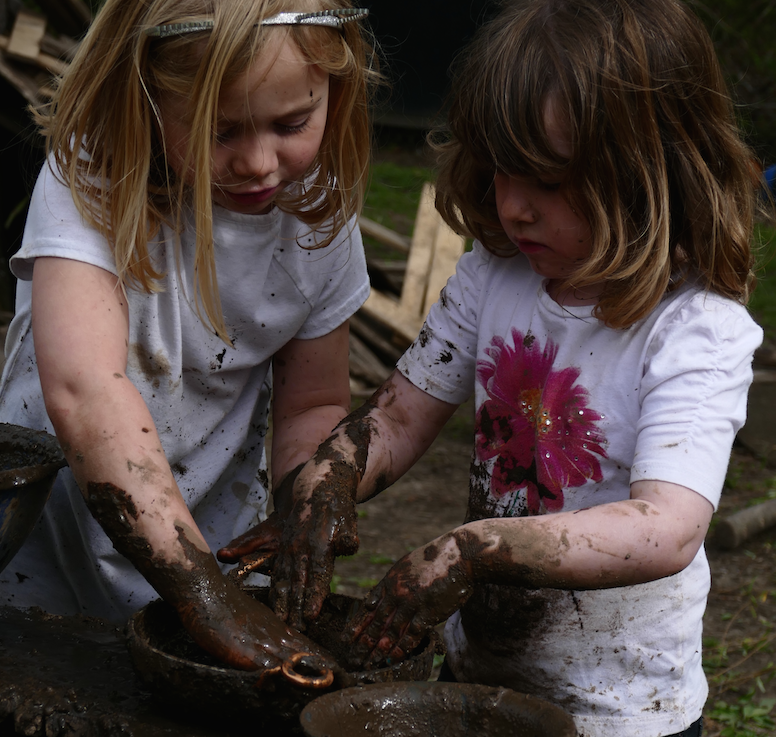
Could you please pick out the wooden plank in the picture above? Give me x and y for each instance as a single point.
(390, 313)
(413, 296)
(739, 527)
(380, 346)
(365, 365)
(386, 236)
(27, 33)
(46, 61)
(448, 248)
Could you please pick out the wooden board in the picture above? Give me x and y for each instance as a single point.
(28, 31)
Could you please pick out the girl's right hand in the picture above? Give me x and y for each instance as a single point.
(244, 633)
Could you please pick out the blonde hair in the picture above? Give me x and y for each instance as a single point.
(658, 168)
(108, 101)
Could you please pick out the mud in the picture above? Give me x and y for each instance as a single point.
(237, 629)
(27, 456)
(73, 676)
(180, 673)
(436, 710)
(29, 461)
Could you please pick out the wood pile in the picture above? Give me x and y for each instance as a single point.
(402, 292)
(35, 47)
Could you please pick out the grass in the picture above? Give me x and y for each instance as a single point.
(763, 303)
(737, 705)
(392, 201)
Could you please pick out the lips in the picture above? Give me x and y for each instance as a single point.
(529, 246)
(254, 197)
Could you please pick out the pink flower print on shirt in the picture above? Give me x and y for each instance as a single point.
(536, 424)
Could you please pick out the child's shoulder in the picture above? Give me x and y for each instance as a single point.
(699, 314)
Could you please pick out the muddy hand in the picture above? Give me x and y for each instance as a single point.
(424, 588)
(218, 615)
(242, 632)
(263, 538)
(321, 525)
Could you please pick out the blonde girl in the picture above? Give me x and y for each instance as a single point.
(191, 242)
(600, 321)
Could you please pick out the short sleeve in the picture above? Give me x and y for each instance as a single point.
(337, 282)
(55, 228)
(442, 360)
(697, 374)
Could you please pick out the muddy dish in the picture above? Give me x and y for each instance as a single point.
(178, 671)
(433, 709)
(29, 461)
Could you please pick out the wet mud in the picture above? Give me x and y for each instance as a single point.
(73, 676)
(434, 709)
(29, 461)
(179, 672)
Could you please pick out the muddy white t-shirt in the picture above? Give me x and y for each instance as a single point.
(568, 414)
(209, 401)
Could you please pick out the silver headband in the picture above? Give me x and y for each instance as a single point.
(332, 18)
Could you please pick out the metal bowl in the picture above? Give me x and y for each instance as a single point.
(433, 708)
(179, 673)
(29, 461)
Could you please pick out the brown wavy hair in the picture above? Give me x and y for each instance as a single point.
(659, 167)
(108, 100)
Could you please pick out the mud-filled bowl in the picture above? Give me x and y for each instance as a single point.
(179, 673)
(433, 708)
(29, 461)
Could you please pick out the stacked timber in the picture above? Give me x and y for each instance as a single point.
(402, 291)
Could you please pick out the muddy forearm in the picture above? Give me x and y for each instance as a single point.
(381, 440)
(618, 544)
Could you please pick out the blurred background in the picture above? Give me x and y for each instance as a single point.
(417, 42)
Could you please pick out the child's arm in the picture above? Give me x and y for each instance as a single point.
(311, 395)
(81, 331)
(368, 451)
(656, 533)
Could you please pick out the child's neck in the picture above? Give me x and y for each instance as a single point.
(574, 296)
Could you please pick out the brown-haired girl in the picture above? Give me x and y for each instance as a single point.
(194, 227)
(600, 321)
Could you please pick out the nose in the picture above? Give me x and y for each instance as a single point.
(254, 157)
(513, 200)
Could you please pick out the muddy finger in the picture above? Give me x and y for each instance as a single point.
(297, 593)
(320, 574)
(263, 537)
(278, 597)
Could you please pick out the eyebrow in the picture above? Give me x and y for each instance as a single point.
(305, 109)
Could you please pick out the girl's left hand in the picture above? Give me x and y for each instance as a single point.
(424, 588)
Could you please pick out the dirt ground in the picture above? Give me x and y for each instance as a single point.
(740, 631)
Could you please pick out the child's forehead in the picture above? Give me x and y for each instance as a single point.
(279, 56)
(557, 128)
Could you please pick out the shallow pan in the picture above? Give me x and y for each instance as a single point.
(29, 461)
(433, 709)
(180, 673)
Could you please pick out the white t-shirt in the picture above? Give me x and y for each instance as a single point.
(209, 401)
(569, 414)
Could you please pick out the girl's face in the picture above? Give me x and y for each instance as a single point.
(539, 220)
(270, 126)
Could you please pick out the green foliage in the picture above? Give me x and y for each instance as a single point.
(738, 669)
(743, 32)
(392, 201)
(763, 302)
(745, 717)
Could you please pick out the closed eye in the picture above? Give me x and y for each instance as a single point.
(294, 128)
(550, 186)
